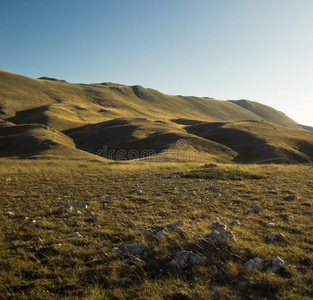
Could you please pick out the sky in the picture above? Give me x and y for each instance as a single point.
(225, 49)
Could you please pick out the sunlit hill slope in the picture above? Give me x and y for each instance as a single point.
(47, 117)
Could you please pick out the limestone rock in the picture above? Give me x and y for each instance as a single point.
(78, 204)
(222, 236)
(170, 227)
(77, 235)
(291, 197)
(254, 262)
(135, 249)
(276, 237)
(185, 258)
(256, 209)
(277, 264)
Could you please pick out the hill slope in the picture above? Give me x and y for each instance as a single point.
(259, 142)
(90, 116)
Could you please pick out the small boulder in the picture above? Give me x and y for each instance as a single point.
(222, 236)
(276, 237)
(77, 235)
(235, 223)
(277, 264)
(170, 227)
(210, 188)
(135, 249)
(256, 209)
(216, 224)
(184, 259)
(9, 213)
(78, 204)
(254, 262)
(291, 197)
(137, 191)
(146, 231)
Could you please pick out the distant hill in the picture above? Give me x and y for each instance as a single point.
(82, 118)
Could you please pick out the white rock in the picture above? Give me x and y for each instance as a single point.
(235, 223)
(222, 236)
(9, 213)
(36, 238)
(276, 237)
(77, 235)
(254, 262)
(170, 227)
(78, 204)
(185, 258)
(137, 191)
(135, 249)
(277, 264)
(216, 224)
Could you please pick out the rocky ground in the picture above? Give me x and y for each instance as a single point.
(139, 231)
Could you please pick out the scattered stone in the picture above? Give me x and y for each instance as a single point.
(210, 188)
(162, 213)
(137, 191)
(170, 227)
(167, 256)
(36, 238)
(136, 260)
(270, 225)
(133, 249)
(121, 198)
(256, 209)
(77, 235)
(184, 259)
(173, 175)
(289, 217)
(78, 204)
(115, 250)
(9, 213)
(211, 165)
(92, 219)
(216, 224)
(222, 236)
(97, 226)
(146, 231)
(277, 264)
(276, 237)
(291, 197)
(235, 223)
(254, 262)
(66, 209)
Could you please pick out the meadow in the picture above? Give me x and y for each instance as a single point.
(61, 220)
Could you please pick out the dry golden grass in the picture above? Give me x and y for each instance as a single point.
(60, 266)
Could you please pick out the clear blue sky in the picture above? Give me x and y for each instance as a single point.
(260, 50)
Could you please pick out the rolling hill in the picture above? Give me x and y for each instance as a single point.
(80, 119)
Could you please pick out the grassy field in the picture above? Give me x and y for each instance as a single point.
(41, 258)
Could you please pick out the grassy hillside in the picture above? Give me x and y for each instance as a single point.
(257, 141)
(142, 135)
(268, 113)
(92, 116)
(37, 141)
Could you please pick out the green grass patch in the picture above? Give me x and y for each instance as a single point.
(221, 174)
